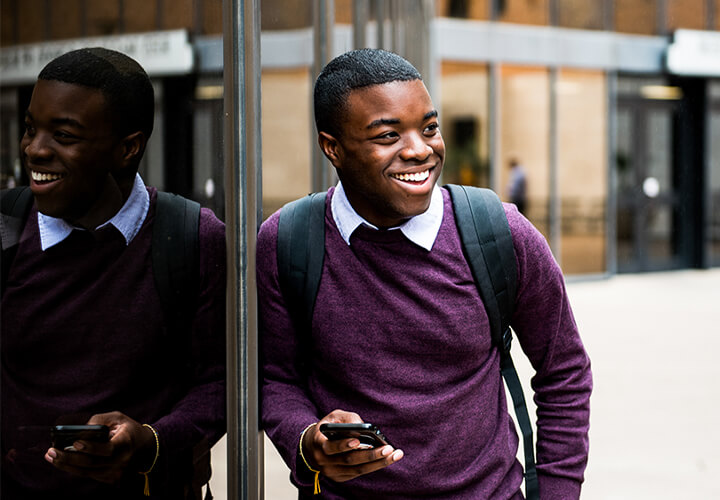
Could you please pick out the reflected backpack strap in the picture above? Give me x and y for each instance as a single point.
(488, 247)
(15, 205)
(300, 254)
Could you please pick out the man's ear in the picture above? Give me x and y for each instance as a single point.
(330, 147)
(132, 148)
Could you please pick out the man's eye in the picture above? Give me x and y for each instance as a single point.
(63, 136)
(388, 135)
(29, 129)
(432, 128)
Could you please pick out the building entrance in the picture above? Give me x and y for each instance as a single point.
(647, 198)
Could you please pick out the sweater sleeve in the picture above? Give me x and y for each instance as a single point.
(198, 419)
(285, 406)
(548, 334)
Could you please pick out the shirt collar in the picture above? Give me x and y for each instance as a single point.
(128, 220)
(421, 229)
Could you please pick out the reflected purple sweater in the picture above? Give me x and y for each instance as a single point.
(83, 333)
(400, 336)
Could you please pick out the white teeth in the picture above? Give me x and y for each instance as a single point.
(41, 177)
(416, 177)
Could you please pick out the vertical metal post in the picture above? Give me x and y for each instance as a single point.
(611, 210)
(322, 175)
(241, 54)
(554, 203)
(494, 126)
(361, 10)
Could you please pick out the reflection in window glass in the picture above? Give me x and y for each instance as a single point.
(464, 123)
(582, 171)
(524, 132)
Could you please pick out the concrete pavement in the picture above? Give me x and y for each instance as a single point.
(654, 341)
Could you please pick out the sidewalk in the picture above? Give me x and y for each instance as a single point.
(654, 341)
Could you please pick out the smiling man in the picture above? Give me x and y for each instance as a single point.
(86, 335)
(399, 336)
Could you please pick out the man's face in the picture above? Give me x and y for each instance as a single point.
(389, 153)
(69, 151)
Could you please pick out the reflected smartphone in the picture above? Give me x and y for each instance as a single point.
(368, 434)
(63, 436)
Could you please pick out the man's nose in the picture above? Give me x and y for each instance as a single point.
(416, 148)
(37, 147)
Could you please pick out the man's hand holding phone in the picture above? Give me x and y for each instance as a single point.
(130, 447)
(343, 458)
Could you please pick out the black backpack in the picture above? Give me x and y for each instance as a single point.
(175, 263)
(488, 248)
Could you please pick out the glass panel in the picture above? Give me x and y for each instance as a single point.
(714, 151)
(657, 186)
(626, 184)
(288, 133)
(582, 172)
(636, 16)
(524, 104)
(464, 118)
(688, 14)
(464, 9)
(524, 11)
(582, 14)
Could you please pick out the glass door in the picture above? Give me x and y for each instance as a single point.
(647, 204)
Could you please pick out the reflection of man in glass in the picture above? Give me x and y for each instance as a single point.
(517, 187)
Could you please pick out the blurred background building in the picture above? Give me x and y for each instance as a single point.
(612, 107)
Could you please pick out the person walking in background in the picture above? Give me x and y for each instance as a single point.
(517, 186)
(86, 337)
(399, 336)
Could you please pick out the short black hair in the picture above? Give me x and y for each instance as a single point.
(353, 70)
(122, 81)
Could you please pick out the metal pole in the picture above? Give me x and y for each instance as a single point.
(555, 227)
(361, 10)
(322, 175)
(611, 261)
(241, 55)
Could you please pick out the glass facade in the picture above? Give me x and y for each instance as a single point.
(524, 135)
(582, 170)
(465, 123)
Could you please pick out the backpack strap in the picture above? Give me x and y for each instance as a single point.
(15, 206)
(488, 246)
(175, 257)
(300, 254)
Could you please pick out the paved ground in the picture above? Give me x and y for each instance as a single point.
(654, 341)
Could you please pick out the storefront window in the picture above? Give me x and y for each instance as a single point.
(464, 123)
(523, 11)
(287, 136)
(524, 131)
(689, 14)
(581, 14)
(464, 9)
(636, 16)
(582, 171)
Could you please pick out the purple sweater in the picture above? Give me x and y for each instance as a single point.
(400, 336)
(83, 333)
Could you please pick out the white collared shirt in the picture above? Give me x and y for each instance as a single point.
(128, 220)
(421, 229)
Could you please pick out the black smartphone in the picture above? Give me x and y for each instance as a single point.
(63, 436)
(368, 434)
